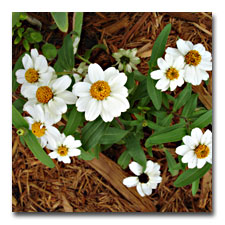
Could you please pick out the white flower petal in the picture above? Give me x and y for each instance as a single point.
(74, 152)
(187, 156)
(27, 62)
(130, 181)
(183, 47)
(53, 155)
(206, 139)
(117, 81)
(41, 64)
(66, 159)
(201, 163)
(139, 190)
(146, 188)
(68, 97)
(162, 64)
(136, 168)
(82, 103)
(61, 84)
(20, 76)
(34, 53)
(123, 100)
(163, 84)
(196, 133)
(93, 109)
(29, 90)
(57, 106)
(190, 142)
(95, 73)
(182, 150)
(169, 59)
(173, 84)
(110, 73)
(200, 48)
(157, 74)
(106, 115)
(205, 65)
(173, 51)
(179, 63)
(193, 162)
(81, 89)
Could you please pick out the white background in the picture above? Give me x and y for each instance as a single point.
(216, 6)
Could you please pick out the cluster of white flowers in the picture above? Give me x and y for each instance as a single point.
(47, 101)
(103, 93)
(188, 63)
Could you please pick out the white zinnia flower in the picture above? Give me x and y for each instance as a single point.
(53, 97)
(126, 58)
(144, 181)
(102, 93)
(36, 71)
(197, 60)
(170, 74)
(82, 69)
(197, 148)
(64, 147)
(41, 125)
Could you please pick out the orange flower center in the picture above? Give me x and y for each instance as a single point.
(202, 151)
(44, 94)
(37, 129)
(193, 58)
(31, 75)
(100, 90)
(172, 73)
(62, 150)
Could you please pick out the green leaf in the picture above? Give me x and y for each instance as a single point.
(18, 65)
(203, 121)
(182, 98)
(166, 121)
(17, 40)
(26, 45)
(113, 135)
(154, 94)
(73, 122)
(36, 36)
(49, 51)
(191, 175)
(141, 91)
(171, 136)
(159, 47)
(171, 163)
(15, 18)
(92, 133)
(17, 119)
(18, 103)
(78, 23)
(190, 106)
(124, 159)
(138, 75)
(37, 150)
(195, 186)
(86, 155)
(20, 32)
(88, 52)
(61, 20)
(65, 54)
(135, 150)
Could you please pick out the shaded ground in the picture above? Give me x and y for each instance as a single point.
(77, 187)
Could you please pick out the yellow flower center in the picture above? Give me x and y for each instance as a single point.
(44, 94)
(100, 90)
(62, 150)
(202, 151)
(193, 58)
(37, 130)
(31, 75)
(172, 73)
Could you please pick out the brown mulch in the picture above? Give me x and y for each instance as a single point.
(80, 186)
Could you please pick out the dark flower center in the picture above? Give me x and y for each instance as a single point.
(143, 178)
(124, 60)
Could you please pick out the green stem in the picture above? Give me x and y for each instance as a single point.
(83, 59)
(65, 73)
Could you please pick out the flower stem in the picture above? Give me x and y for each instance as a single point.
(83, 59)
(120, 123)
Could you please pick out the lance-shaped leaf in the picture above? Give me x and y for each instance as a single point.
(191, 175)
(61, 20)
(203, 121)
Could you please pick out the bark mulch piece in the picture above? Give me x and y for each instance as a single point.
(95, 186)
